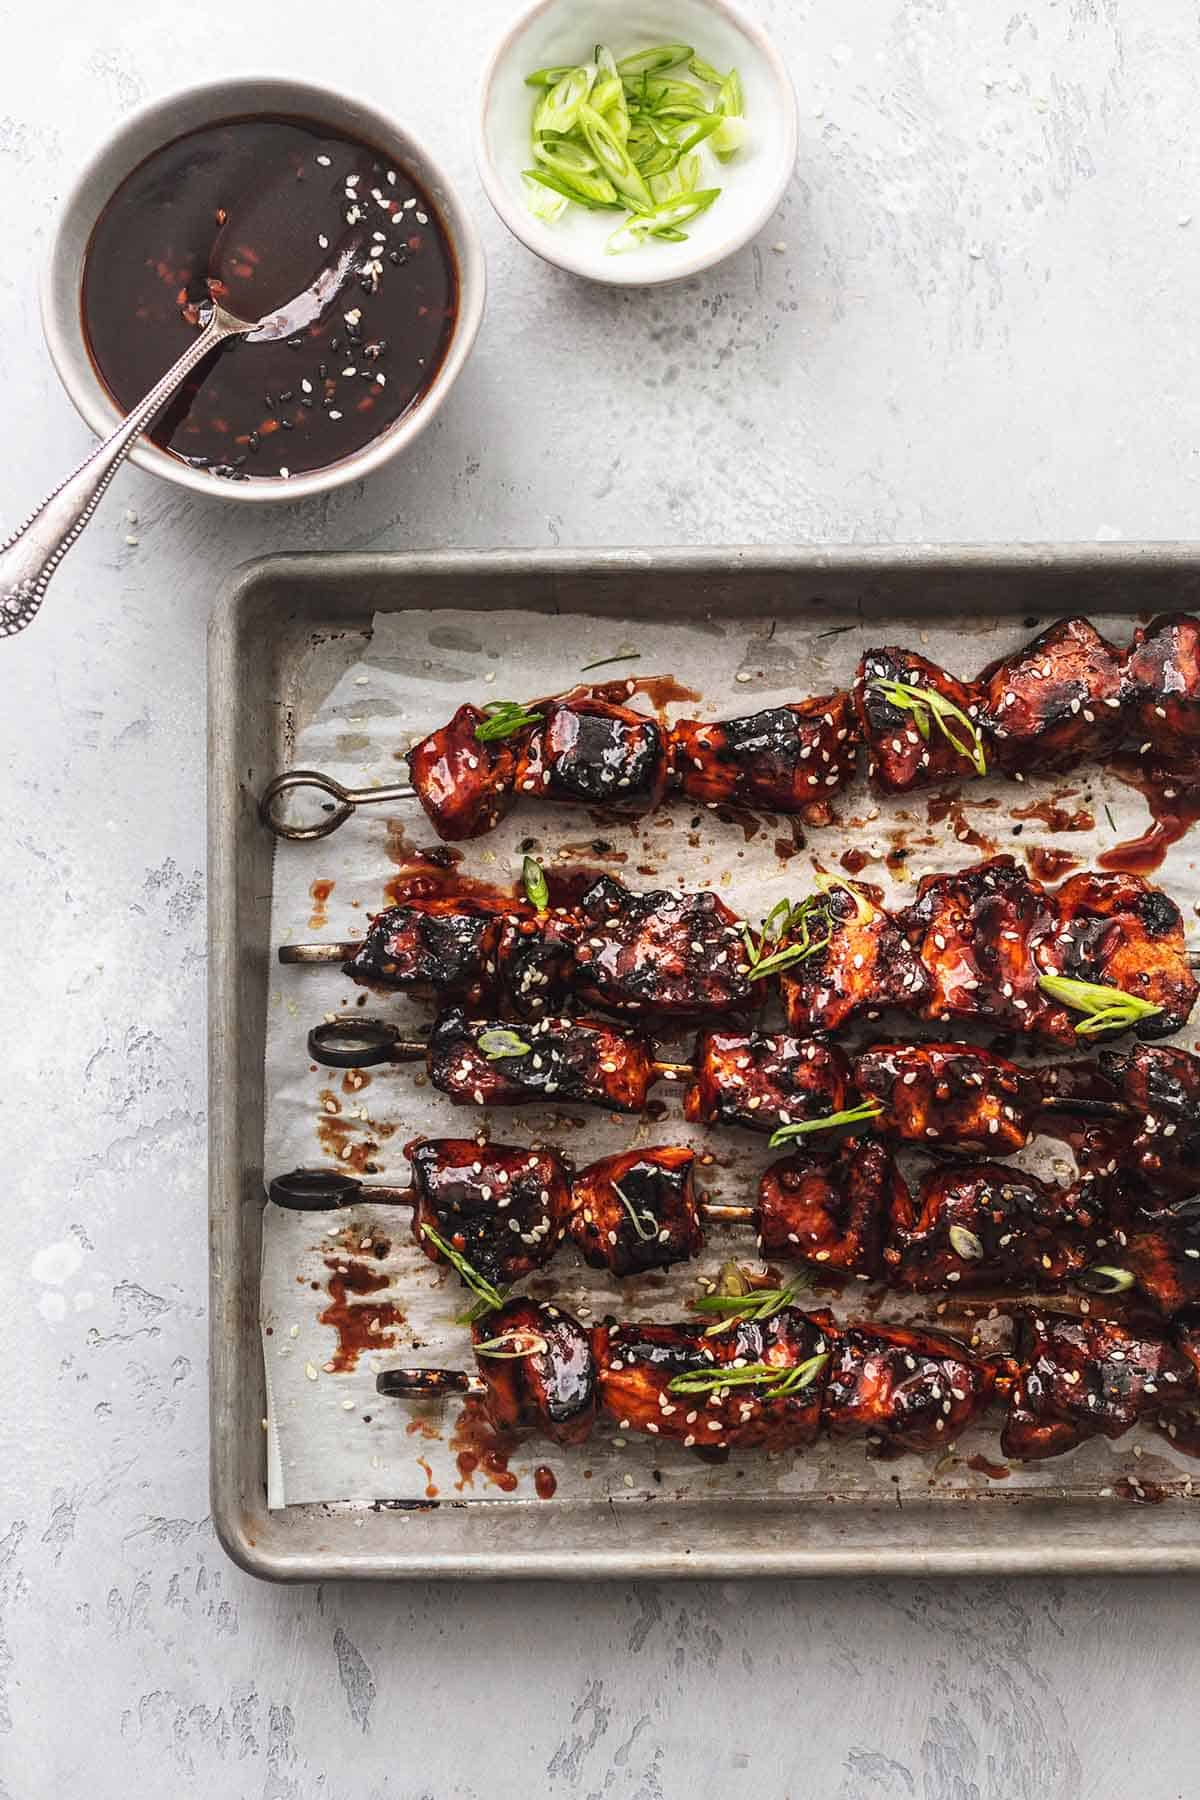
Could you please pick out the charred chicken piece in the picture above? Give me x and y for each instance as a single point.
(866, 965)
(984, 1226)
(465, 787)
(535, 962)
(676, 955)
(976, 933)
(1162, 681)
(1161, 1152)
(1164, 1257)
(447, 943)
(914, 1389)
(830, 1209)
(595, 754)
(764, 1079)
(1087, 1377)
(900, 757)
(503, 1207)
(966, 1098)
(582, 1060)
(637, 1364)
(552, 1388)
(637, 1211)
(1056, 702)
(789, 759)
(1117, 931)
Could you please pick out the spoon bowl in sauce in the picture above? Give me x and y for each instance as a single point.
(261, 142)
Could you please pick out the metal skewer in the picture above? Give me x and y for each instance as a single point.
(348, 800)
(428, 1384)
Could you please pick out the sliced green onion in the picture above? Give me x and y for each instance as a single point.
(964, 1243)
(648, 62)
(502, 718)
(704, 71)
(613, 157)
(542, 201)
(777, 1381)
(533, 877)
(731, 99)
(549, 78)
(596, 192)
(924, 703)
(646, 1234)
(674, 183)
(729, 137)
(1105, 1278)
(603, 661)
(652, 223)
(782, 919)
(560, 109)
(1106, 1008)
(564, 157)
(758, 1304)
(523, 1343)
(855, 1115)
(478, 1284)
(498, 1042)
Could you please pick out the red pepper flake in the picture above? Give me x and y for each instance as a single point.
(267, 427)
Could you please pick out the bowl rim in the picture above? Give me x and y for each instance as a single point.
(155, 123)
(522, 223)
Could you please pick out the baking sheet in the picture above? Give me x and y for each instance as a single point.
(330, 1437)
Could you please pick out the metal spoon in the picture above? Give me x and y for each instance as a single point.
(31, 555)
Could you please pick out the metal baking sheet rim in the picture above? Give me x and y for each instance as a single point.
(269, 609)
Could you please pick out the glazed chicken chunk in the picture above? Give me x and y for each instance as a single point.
(1117, 931)
(790, 759)
(1078, 1378)
(465, 786)
(503, 1207)
(905, 748)
(544, 1375)
(966, 1098)
(481, 1062)
(763, 1080)
(535, 962)
(637, 1364)
(861, 964)
(677, 955)
(830, 1208)
(912, 1389)
(1162, 682)
(1056, 702)
(448, 944)
(593, 753)
(637, 1210)
(983, 1226)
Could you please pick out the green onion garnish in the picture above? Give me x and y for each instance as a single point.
(778, 1382)
(758, 1304)
(780, 922)
(491, 1297)
(502, 718)
(926, 703)
(603, 662)
(512, 1344)
(646, 1232)
(498, 1042)
(1105, 1278)
(856, 1115)
(533, 877)
(1107, 1008)
(623, 134)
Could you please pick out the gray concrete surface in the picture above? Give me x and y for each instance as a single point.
(980, 325)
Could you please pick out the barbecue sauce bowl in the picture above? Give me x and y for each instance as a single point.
(240, 182)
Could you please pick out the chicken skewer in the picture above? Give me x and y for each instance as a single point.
(777, 1382)
(1066, 696)
(988, 943)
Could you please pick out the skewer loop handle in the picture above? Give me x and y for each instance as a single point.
(347, 801)
(350, 1043)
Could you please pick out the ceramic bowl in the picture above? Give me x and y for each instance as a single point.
(555, 32)
(144, 132)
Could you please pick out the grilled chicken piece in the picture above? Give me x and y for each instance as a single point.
(976, 933)
(637, 1364)
(789, 759)
(1162, 682)
(1087, 1377)
(912, 1388)
(447, 943)
(1164, 1256)
(900, 756)
(764, 1079)
(1056, 702)
(535, 962)
(968, 1099)
(637, 1210)
(830, 1209)
(465, 787)
(503, 1207)
(677, 955)
(582, 1060)
(984, 1226)
(1162, 1149)
(593, 753)
(866, 966)
(1118, 931)
(552, 1389)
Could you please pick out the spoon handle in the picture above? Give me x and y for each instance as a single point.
(31, 555)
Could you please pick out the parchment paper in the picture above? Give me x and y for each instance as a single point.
(331, 1437)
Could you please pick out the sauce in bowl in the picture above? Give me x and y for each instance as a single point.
(269, 409)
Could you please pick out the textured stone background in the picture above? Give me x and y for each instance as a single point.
(982, 327)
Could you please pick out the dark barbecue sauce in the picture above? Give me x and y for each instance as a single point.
(304, 402)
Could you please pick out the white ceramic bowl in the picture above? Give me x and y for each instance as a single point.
(554, 32)
(147, 130)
